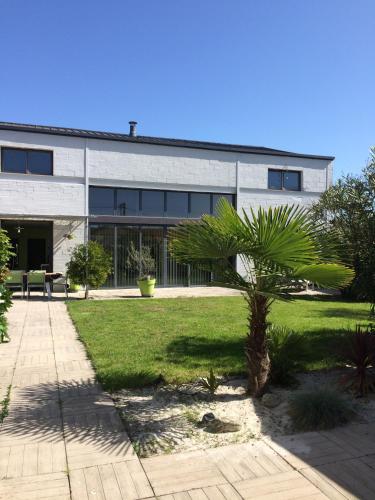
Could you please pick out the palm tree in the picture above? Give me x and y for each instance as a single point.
(278, 248)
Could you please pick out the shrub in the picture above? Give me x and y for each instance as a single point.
(359, 353)
(319, 409)
(3, 330)
(141, 261)
(211, 383)
(89, 265)
(5, 254)
(287, 350)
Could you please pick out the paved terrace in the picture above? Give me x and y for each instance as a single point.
(64, 440)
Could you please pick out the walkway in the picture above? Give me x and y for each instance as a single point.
(64, 440)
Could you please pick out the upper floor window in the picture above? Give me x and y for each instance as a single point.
(284, 179)
(26, 161)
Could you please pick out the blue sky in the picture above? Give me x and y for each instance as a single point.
(291, 74)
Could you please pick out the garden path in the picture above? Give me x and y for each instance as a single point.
(63, 438)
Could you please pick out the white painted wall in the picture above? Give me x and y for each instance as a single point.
(113, 163)
(62, 246)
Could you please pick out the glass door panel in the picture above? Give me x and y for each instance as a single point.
(153, 237)
(126, 235)
(199, 277)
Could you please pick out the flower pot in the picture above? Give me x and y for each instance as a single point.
(147, 287)
(74, 288)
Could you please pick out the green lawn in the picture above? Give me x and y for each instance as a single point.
(133, 342)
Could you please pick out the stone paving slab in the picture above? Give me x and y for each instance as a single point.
(247, 461)
(122, 480)
(53, 486)
(220, 492)
(283, 486)
(181, 472)
(308, 449)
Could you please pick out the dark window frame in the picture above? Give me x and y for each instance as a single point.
(283, 172)
(165, 191)
(27, 150)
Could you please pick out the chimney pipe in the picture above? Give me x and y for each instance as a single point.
(133, 129)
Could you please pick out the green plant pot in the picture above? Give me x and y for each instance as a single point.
(147, 287)
(74, 288)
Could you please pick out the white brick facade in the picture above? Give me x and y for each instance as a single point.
(79, 162)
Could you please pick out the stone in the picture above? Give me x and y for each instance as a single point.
(270, 400)
(218, 426)
(207, 418)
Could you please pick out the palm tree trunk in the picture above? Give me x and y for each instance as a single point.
(258, 361)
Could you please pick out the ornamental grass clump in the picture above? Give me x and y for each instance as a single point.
(319, 409)
(287, 350)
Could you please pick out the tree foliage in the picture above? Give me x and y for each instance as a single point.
(141, 261)
(89, 265)
(277, 248)
(348, 210)
(5, 254)
(5, 294)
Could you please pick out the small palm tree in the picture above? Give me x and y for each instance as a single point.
(278, 248)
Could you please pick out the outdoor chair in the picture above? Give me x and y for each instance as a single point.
(36, 280)
(61, 283)
(14, 281)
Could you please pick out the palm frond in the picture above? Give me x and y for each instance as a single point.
(325, 274)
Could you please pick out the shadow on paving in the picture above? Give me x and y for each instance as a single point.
(340, 462)
(78, 411)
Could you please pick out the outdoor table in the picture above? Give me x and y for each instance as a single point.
(50, 277)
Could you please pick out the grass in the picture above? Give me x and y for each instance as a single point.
(133, 343)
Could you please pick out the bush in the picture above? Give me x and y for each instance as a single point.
(89, 265)
(319, 409)
(359, 353)
(287, 350)
(3, 330)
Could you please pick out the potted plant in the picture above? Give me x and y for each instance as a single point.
(144, 263)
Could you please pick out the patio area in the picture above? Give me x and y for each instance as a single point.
(63, 438)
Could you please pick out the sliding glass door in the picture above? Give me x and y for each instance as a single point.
(117, 239)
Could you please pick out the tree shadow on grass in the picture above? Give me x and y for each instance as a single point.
(115, 380)
(195, 352)
(338, 312)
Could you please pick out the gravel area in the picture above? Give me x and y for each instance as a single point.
(167, 419)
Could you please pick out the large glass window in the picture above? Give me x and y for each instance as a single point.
(200, 204)
(292, 181)
(284, 179)
(127, 202)
(102, 201)
(177, 204)
(26, 161)
(217, 197)
(153, 203)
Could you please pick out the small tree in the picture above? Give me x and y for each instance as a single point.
(277, 247)
(5, 254)
(142, 261)
(89, 265)
(5, 294)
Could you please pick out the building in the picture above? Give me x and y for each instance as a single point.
(61, 186)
